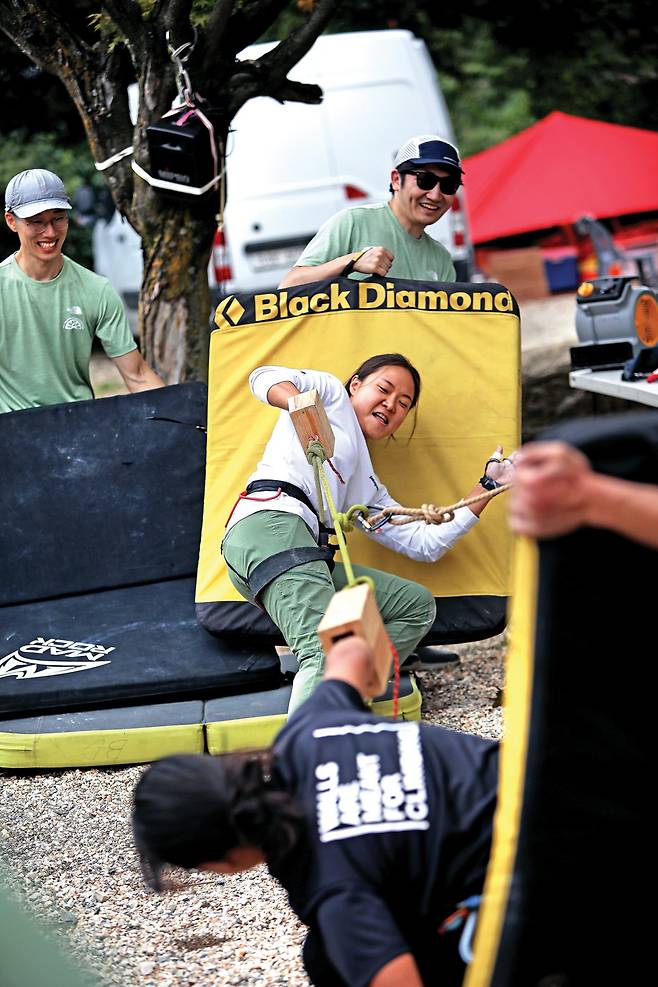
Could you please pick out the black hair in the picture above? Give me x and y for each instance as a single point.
(375, 363)
(402, 171)
(191, 809)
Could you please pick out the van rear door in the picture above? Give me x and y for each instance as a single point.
(281, 187)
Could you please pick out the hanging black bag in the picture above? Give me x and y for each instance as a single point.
(183, 152)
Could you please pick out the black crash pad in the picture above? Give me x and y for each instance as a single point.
(102, 658)
(575, 832)
(99, 536)
(459, 619)
(136, 734)
(157, 650)
(98, 494)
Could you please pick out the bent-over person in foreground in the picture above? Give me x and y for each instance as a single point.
(379, 831)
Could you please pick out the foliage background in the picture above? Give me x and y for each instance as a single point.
(500, 71)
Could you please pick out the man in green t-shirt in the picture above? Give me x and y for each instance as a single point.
(389, 238)
(52, 308)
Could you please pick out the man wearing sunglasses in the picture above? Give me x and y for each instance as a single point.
(52, 308)
(389, 238)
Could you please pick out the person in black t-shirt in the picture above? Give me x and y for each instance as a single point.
(379, 831)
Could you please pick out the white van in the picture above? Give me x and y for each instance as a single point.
(291, 166)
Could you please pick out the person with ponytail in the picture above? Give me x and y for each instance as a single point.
(274, 548)
(379, 831)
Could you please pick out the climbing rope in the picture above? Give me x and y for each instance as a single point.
(431, 514)
(395, 698)
(343, 523)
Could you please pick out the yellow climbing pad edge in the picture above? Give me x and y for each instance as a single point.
(465, 341)
(519, 673)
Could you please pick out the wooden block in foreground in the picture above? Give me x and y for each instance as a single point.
(354, 612)
(310, 420)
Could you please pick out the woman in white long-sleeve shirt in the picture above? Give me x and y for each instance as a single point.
(279, 514)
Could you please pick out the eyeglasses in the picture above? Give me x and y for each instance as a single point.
(41, 225)
(427, 181)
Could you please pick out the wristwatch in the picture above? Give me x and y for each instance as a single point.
(489, 483)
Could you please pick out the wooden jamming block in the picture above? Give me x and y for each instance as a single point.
(354, 612)
(310, 420)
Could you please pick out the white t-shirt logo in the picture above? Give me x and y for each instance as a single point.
(372, 802)
(73, 324)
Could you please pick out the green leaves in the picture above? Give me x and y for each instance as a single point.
(73, 164)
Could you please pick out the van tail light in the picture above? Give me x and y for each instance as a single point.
(458, 229)
(353, 192)
(220, 258)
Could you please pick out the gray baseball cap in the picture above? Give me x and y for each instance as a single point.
(34, 191)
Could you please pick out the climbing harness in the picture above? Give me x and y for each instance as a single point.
(275, 565)
(283, 486)
(291, 490)
(343, 522)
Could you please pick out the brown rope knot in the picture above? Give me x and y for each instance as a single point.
(436, 515)
(427, 513)
(431, 514)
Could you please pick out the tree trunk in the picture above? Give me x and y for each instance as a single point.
(174, 303)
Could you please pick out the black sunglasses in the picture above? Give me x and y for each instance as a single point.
(427, 181)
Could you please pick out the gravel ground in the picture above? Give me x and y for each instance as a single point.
(66, 847)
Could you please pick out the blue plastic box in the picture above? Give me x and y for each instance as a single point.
(561, 267)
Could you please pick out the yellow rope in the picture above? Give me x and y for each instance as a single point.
(431, 514)
(316, 456)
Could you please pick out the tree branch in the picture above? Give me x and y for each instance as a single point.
(39, 32)
(155, 64)
(91, 74)
(215, 29)
(127, 17)
(175, 16)
(267, 76)
(288, 52)
(247, 24)
(248, 82)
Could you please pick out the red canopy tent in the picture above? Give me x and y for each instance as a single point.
(557, 171)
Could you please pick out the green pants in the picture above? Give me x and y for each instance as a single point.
(297, 599)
